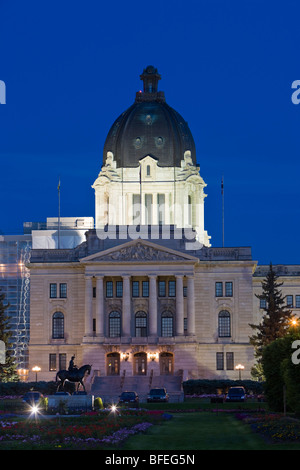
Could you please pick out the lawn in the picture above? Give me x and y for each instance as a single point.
(204, 431)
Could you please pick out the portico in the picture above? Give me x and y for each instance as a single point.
(149, 299)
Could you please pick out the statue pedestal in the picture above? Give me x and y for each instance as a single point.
(70, 403)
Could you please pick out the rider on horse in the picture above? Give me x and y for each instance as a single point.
(72, 366)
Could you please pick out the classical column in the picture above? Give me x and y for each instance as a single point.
(179, 306)
(126, 306)
(99, 307)
(88, 306)
(152, 306)
(191, 306)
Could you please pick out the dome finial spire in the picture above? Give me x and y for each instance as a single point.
(150, 77)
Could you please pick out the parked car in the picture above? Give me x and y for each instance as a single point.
(129, 398)
(32, 398)
(158, 394)
(236, 394)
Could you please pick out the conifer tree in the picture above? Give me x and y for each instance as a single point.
(276, 318)
(8, 369)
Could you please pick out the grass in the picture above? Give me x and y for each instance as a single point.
(203, 431)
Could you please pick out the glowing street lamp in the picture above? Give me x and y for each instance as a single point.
(36, 369)
(240, 367)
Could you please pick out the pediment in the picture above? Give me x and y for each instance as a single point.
(139, 251)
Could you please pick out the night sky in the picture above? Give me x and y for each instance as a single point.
(71, 68)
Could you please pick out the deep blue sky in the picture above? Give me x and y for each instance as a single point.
(72, 67)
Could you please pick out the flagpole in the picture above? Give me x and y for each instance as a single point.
(222, 192)
(58, 188)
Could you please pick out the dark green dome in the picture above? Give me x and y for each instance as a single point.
(149, 127)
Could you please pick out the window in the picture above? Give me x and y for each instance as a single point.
(229, 361)
(145, 288)
(119, 288)
(140, 324)
(52, 362)
(148, 170)
(228, 289)
(63, 291)
(161, 209)
(219, 289)
(53, 291)
(172, 288)
(58, 325)
(135, 289)
(148, 209)
(136, 209)
(109, 289)
(289, 301)
(224, 324)
(220, 360)
(297, 301)
(94, 292)
(62, 359)
(162, 288)
(185, 291)
(114, 324)
(167, 324)
(262, 303)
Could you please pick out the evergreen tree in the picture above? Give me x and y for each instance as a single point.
(8, 369)
(276, 318)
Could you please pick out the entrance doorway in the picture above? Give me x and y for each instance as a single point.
(140, 363)
(166, 361)
(113, 364)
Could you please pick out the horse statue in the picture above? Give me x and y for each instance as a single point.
(74, 375)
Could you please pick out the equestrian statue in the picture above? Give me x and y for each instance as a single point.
(73, 374)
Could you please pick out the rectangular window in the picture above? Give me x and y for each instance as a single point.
(94, 292)
(185, 324)
(229, 361)
(220, 361)
(162, 288)
(172, 288)
(119, 287)
(297, 301)
(219, 289)
(161, 208)
(63, 291)
(262, 303)
(145, 287)
(53, 291)
(62, 361)
(109, 289)
(136, 209)
(148, 209)
(228, 289)
(185, 291)
(289, 301)
(52, 362)
(135, 289)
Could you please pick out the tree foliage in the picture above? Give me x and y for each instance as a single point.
(276, 318)
(281, 373)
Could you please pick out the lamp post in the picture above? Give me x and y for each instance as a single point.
(36, 369)
(240, 367)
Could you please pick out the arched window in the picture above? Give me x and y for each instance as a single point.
(58, 329)
(141, 324)
(114, 324)
(224, 326)
(167, 323)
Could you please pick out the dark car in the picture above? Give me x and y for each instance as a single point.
(129, 398)
(236, 394)
(158, 394)
(32, 398)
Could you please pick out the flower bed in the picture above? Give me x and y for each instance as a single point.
(273, 427)
(101, 430)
